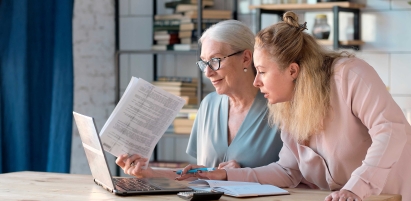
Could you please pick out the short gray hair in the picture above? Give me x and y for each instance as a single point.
(233, 32)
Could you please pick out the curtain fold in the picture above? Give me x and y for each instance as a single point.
(36, 97)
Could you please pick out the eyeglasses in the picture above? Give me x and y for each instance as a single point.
(214, 63)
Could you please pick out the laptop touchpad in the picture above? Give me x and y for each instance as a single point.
(165, 183)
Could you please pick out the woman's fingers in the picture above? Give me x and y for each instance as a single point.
(138, 168)
(131, 165)
(342, 195)
(120, 160)
(219, 174)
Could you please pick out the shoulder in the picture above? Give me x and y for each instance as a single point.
(355, 78)
(211, 100)
(352, 67)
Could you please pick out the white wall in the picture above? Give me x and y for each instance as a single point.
(384, 28)
(94, 78)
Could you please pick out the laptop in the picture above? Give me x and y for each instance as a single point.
(101, 173)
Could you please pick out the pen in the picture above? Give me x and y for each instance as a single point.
(195, 170)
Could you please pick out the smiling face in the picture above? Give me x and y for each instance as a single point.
(276, 85)
(228, 77)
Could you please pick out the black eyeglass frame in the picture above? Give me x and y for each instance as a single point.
(208, 63)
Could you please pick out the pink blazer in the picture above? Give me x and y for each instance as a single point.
(365, 146)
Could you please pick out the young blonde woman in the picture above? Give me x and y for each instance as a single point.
(341, 129)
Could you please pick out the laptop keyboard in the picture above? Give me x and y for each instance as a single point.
(134, 184)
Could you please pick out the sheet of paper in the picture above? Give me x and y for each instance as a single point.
(216, 183)
(141, 117)
(251, 190)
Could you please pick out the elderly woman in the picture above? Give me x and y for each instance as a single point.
(230, 129)
(342, 130)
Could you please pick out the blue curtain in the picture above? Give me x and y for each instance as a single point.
(36, 86)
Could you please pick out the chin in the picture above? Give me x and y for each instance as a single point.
(219, 91)
(273, 101)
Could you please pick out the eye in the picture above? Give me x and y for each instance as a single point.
(214, 59)
(261, 73)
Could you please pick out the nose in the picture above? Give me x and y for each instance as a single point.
(257, 82)
(208, 72)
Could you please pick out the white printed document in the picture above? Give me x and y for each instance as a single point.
(238, 188)
(141, 117)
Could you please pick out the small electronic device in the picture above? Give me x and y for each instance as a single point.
(200, 195)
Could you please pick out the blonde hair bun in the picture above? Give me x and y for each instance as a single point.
(291, 19)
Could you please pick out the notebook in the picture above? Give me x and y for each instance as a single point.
(101, 173)
(237, 188)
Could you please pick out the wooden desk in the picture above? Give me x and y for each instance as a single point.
(54, 186)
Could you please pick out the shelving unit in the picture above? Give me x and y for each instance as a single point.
(335, 7)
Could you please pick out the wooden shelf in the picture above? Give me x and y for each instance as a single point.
(317, 6)
(345, 42)
(156, 52)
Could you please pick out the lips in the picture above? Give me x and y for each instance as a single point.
(216, 81)
(265, 94)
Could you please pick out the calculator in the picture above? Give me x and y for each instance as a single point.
(200, 195)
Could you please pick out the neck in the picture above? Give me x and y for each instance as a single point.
(244, 96)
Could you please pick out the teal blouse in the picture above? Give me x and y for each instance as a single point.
(256, 143)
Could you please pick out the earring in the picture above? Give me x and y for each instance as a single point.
(295, 80)
(245, 70)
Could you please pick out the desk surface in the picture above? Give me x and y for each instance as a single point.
(55, 186)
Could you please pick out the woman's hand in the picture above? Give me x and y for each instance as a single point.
(218, 174)
(231, 164)
(342, 195)
(133, 165)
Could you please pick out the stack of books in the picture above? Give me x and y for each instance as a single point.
(185, 87)
(177, 31)
(184, 121)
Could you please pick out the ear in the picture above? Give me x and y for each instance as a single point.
(247, 58)
(294, 70)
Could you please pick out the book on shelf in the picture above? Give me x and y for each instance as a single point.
(162, 47)
(169, 16)
(189, 40)
(186, 47)
(177, 79)
(168, 41)
(180, 8)
(238, 188)
(183, 129)
(187, 33)
(183, 122)
(168, 23)
(170, 88)
(139, 120)
(175, 4)
(190, 100)
(178, 47)
(184, 93)
(163, 35)
(188, 112)
(210, 14)
(188, 25)
(172, 25)
(175, 83)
